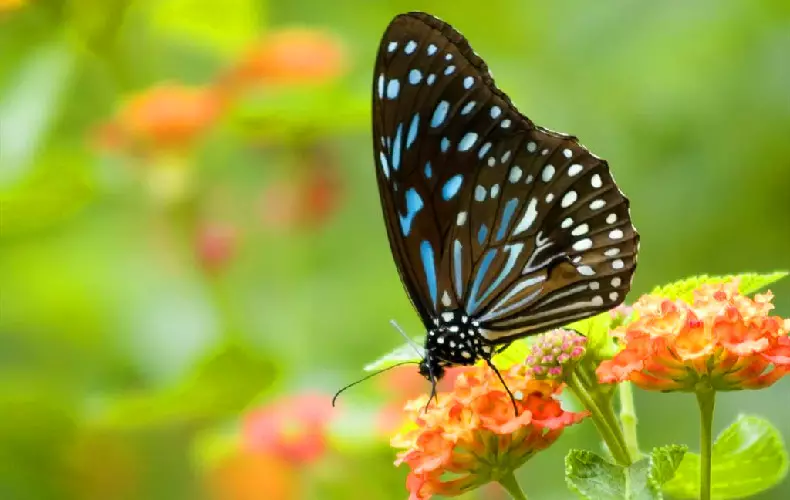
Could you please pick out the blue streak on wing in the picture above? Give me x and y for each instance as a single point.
(514, 252)
(428, 170)
(482, 233)
(452, 186)
(458, 264)
(507, 214)
(473, 302)
(413, 205)
(413, 128)
(429, 265)
(396, 148)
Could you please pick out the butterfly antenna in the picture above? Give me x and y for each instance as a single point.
(409, 340)
(366, 377)
(499, 375)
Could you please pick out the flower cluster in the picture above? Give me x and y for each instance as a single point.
(722, 340)
(472, 436)
(553, 352)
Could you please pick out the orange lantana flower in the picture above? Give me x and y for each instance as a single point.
(472, 436)
(290, 56)
(723, 340)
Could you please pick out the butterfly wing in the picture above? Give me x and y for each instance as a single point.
(477, 199)
(425, 171)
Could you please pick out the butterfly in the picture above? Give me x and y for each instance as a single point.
(499, 228)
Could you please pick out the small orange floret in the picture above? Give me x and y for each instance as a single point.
(291, 56)
(169, 115)
(723, 340)
(472, 436)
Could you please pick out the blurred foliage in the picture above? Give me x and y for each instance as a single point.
(115, 309)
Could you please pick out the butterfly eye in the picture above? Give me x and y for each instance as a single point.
(499, 228)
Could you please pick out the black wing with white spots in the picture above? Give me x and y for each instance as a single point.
(499, 228)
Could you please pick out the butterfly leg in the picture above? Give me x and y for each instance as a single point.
(499, 375)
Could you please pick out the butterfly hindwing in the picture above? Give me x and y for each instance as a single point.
(520, 227)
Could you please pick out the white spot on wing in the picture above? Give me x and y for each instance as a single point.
(584, 244)
(580, 230)
(529, 217)
(547, 173)
(515, 174)
(569, 199)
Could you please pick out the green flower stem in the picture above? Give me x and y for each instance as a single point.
(628, 420)
(508, 481)
(706, 398)
(604, 418)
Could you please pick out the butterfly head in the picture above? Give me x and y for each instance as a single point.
(454, 339)
(431, 368)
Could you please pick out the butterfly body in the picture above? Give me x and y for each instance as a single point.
(500, 228)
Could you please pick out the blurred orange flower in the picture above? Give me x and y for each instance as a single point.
(472, 436)
(293, 428)
(723, 340)
(169, 115)
(251, 475)
(165, 117)
(290, 56)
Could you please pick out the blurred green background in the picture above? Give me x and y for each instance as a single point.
(192, 258)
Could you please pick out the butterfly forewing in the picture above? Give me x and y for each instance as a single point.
(521, 228)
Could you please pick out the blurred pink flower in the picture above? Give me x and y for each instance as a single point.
(216, 244)
(293, 428)
(306, 201)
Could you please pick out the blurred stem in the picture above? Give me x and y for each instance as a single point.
(223, 304)
(508, 481)
(628, 420)
(604, 418)
(706, 398)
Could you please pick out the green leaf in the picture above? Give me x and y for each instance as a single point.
(749, 283)
(225, 27)
(406, 352)
(593, 477)
(664, 463)
(600, 343)
(220, 385)
(748, 457)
